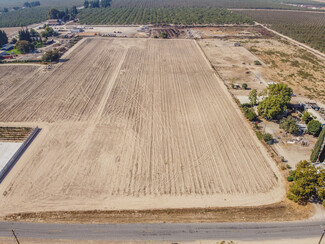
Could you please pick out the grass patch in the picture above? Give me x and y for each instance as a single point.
(14, 51)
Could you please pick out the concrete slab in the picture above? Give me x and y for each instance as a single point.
(7, 150)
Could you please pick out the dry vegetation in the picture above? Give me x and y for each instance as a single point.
(112, 137)
(291, 65)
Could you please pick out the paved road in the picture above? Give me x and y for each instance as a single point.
(166, 232)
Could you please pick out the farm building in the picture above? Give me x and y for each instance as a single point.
(76, 30)
(52, 22)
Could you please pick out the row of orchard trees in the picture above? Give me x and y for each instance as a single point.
(186, 16)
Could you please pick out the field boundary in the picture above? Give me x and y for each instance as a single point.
(11, 163)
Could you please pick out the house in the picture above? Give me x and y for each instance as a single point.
(53, 22)
(3, 53)
(7, 47)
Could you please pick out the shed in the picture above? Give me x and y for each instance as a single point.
(53, 22)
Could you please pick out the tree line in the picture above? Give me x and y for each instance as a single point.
(68, 14)
(185, 16)
(97, 4)
(3, 38)
(31, 4)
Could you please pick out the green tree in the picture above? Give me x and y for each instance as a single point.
(314, 127)
(24, 35)
(309, 183)
(3, 38)
(306, 117)
(51, 56)
(253, 97)
(290, 125)
(317, 146)
(24, 46)
(281, 90)
(244, 86)
(268, 138)
(249, 113)
(271, 107)
(86, 4)
(53, 13)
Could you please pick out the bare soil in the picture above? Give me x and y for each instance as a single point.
(284, 211)
(133, 124)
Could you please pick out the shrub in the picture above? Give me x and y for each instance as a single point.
(271, 107)
(257, 62)
(244, 86)
(259, 135)
(306, 117)
(268, 138)
(250, 114)
(290, 178)
(317, 147)
(314, 127)
(163, 35)
(290, 125)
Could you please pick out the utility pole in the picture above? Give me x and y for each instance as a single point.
(13, 232)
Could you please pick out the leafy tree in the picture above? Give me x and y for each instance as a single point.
(280, 90)
(309, 183)
(105, 3)
(257, 62)
(3, 38)
(86, 4)
(27, 5)
(279, 95)
(306, 117)
(244, 86)
(249, 113)
(290, 125)
(53, 13)
(24, 35)
(48, 31)
(51, 56)
(268, 138)
(253, 97)
(24, 46)
(314, 127)
(317, 146)
(271, 107)
(73, 12)
(5, 10)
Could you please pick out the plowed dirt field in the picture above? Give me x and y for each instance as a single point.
(133, 124)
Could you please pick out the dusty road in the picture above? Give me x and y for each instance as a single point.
(166, 232)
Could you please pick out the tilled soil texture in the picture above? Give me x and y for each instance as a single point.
(133, 124)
